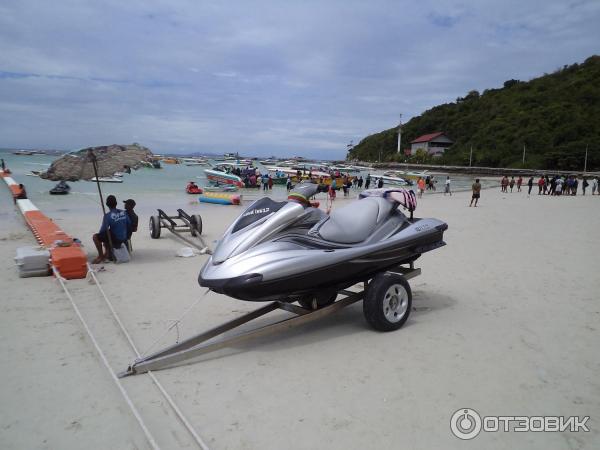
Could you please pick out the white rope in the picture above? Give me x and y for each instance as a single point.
(134, 410)
(175, 323)
(169, 399)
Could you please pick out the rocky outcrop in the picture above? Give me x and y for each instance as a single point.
(111, 158)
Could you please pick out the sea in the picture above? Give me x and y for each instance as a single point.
(154, 188)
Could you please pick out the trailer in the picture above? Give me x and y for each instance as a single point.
(384, 296)
(182, 222)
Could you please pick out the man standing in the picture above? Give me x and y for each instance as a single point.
(447, 190)
(530, 185)
(476, 192)
(114, 229)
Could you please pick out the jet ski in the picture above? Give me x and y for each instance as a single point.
(291, 251)
(62, 188)
(192, 188)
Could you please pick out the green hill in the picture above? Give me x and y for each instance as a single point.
(554, 116)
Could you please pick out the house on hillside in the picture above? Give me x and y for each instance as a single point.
(434, 143)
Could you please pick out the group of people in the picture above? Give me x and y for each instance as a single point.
(116, 229)
(552, 185)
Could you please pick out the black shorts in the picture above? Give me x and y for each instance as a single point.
(116, 243)
(475, 195)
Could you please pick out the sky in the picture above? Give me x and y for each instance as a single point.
(263, 78)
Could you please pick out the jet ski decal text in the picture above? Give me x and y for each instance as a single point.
(256, 211)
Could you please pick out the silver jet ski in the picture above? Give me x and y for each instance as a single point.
(291, 251)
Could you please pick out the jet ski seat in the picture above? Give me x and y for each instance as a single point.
(354, 223)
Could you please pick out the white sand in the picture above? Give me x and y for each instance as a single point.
(505, 322)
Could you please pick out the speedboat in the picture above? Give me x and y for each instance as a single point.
(291, 251)
(107, 179)
(221, 177)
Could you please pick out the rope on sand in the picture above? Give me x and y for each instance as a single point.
(169, 399)
(134, 410)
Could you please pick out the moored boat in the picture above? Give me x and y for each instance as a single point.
(107, 179)
(220, 177)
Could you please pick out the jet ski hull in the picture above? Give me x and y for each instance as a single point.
(299, 265)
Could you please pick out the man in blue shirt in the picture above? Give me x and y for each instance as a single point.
(117, 223)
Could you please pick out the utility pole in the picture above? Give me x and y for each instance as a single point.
(523, 154)
(471, 156)
(400, 135)
(585, 160)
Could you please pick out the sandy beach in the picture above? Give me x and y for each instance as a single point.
(505, 321)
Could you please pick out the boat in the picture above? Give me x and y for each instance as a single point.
(34, 173)
(195, 161)
(107, 179)
(395, 179)
(170, 160)
(221, 177)
(24, 152)
(62, 188)
(220, 188)
(291, 250)
(119, 174)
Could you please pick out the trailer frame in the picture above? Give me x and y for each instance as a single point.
(198, 344)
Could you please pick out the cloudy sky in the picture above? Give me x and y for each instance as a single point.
(263, 77)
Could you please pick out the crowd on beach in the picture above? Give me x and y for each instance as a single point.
(554, 185)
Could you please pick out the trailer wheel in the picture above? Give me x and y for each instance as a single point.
(387, 302)
(318, 301)
(196, 225)
(154, 227)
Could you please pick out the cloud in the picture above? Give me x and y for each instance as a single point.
(263, 77)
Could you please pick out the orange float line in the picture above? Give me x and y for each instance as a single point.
(67, 256)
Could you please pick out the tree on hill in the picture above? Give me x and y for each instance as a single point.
(554, 116)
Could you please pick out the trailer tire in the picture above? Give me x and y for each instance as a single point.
(154, 227)
(196, 225)
(387, 302)
(318, 301)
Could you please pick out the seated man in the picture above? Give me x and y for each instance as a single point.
(133, 218)
(115, 224)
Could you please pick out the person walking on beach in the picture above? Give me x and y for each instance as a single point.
(558, 186)
(360, 182)
(504, 184)
(115, 224)
(584, 185)
(476, 192)
(289, 183)
(368, 181)
(3, 165)
(447, 189)
(530, 185)
(380, 183)
(270, 182)
(595, 186)
(519, 183)
(541, 182)
(421, 186)
(512, 184)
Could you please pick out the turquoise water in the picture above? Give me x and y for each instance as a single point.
(151, 188)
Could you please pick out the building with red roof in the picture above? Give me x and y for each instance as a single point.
(433, 143)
